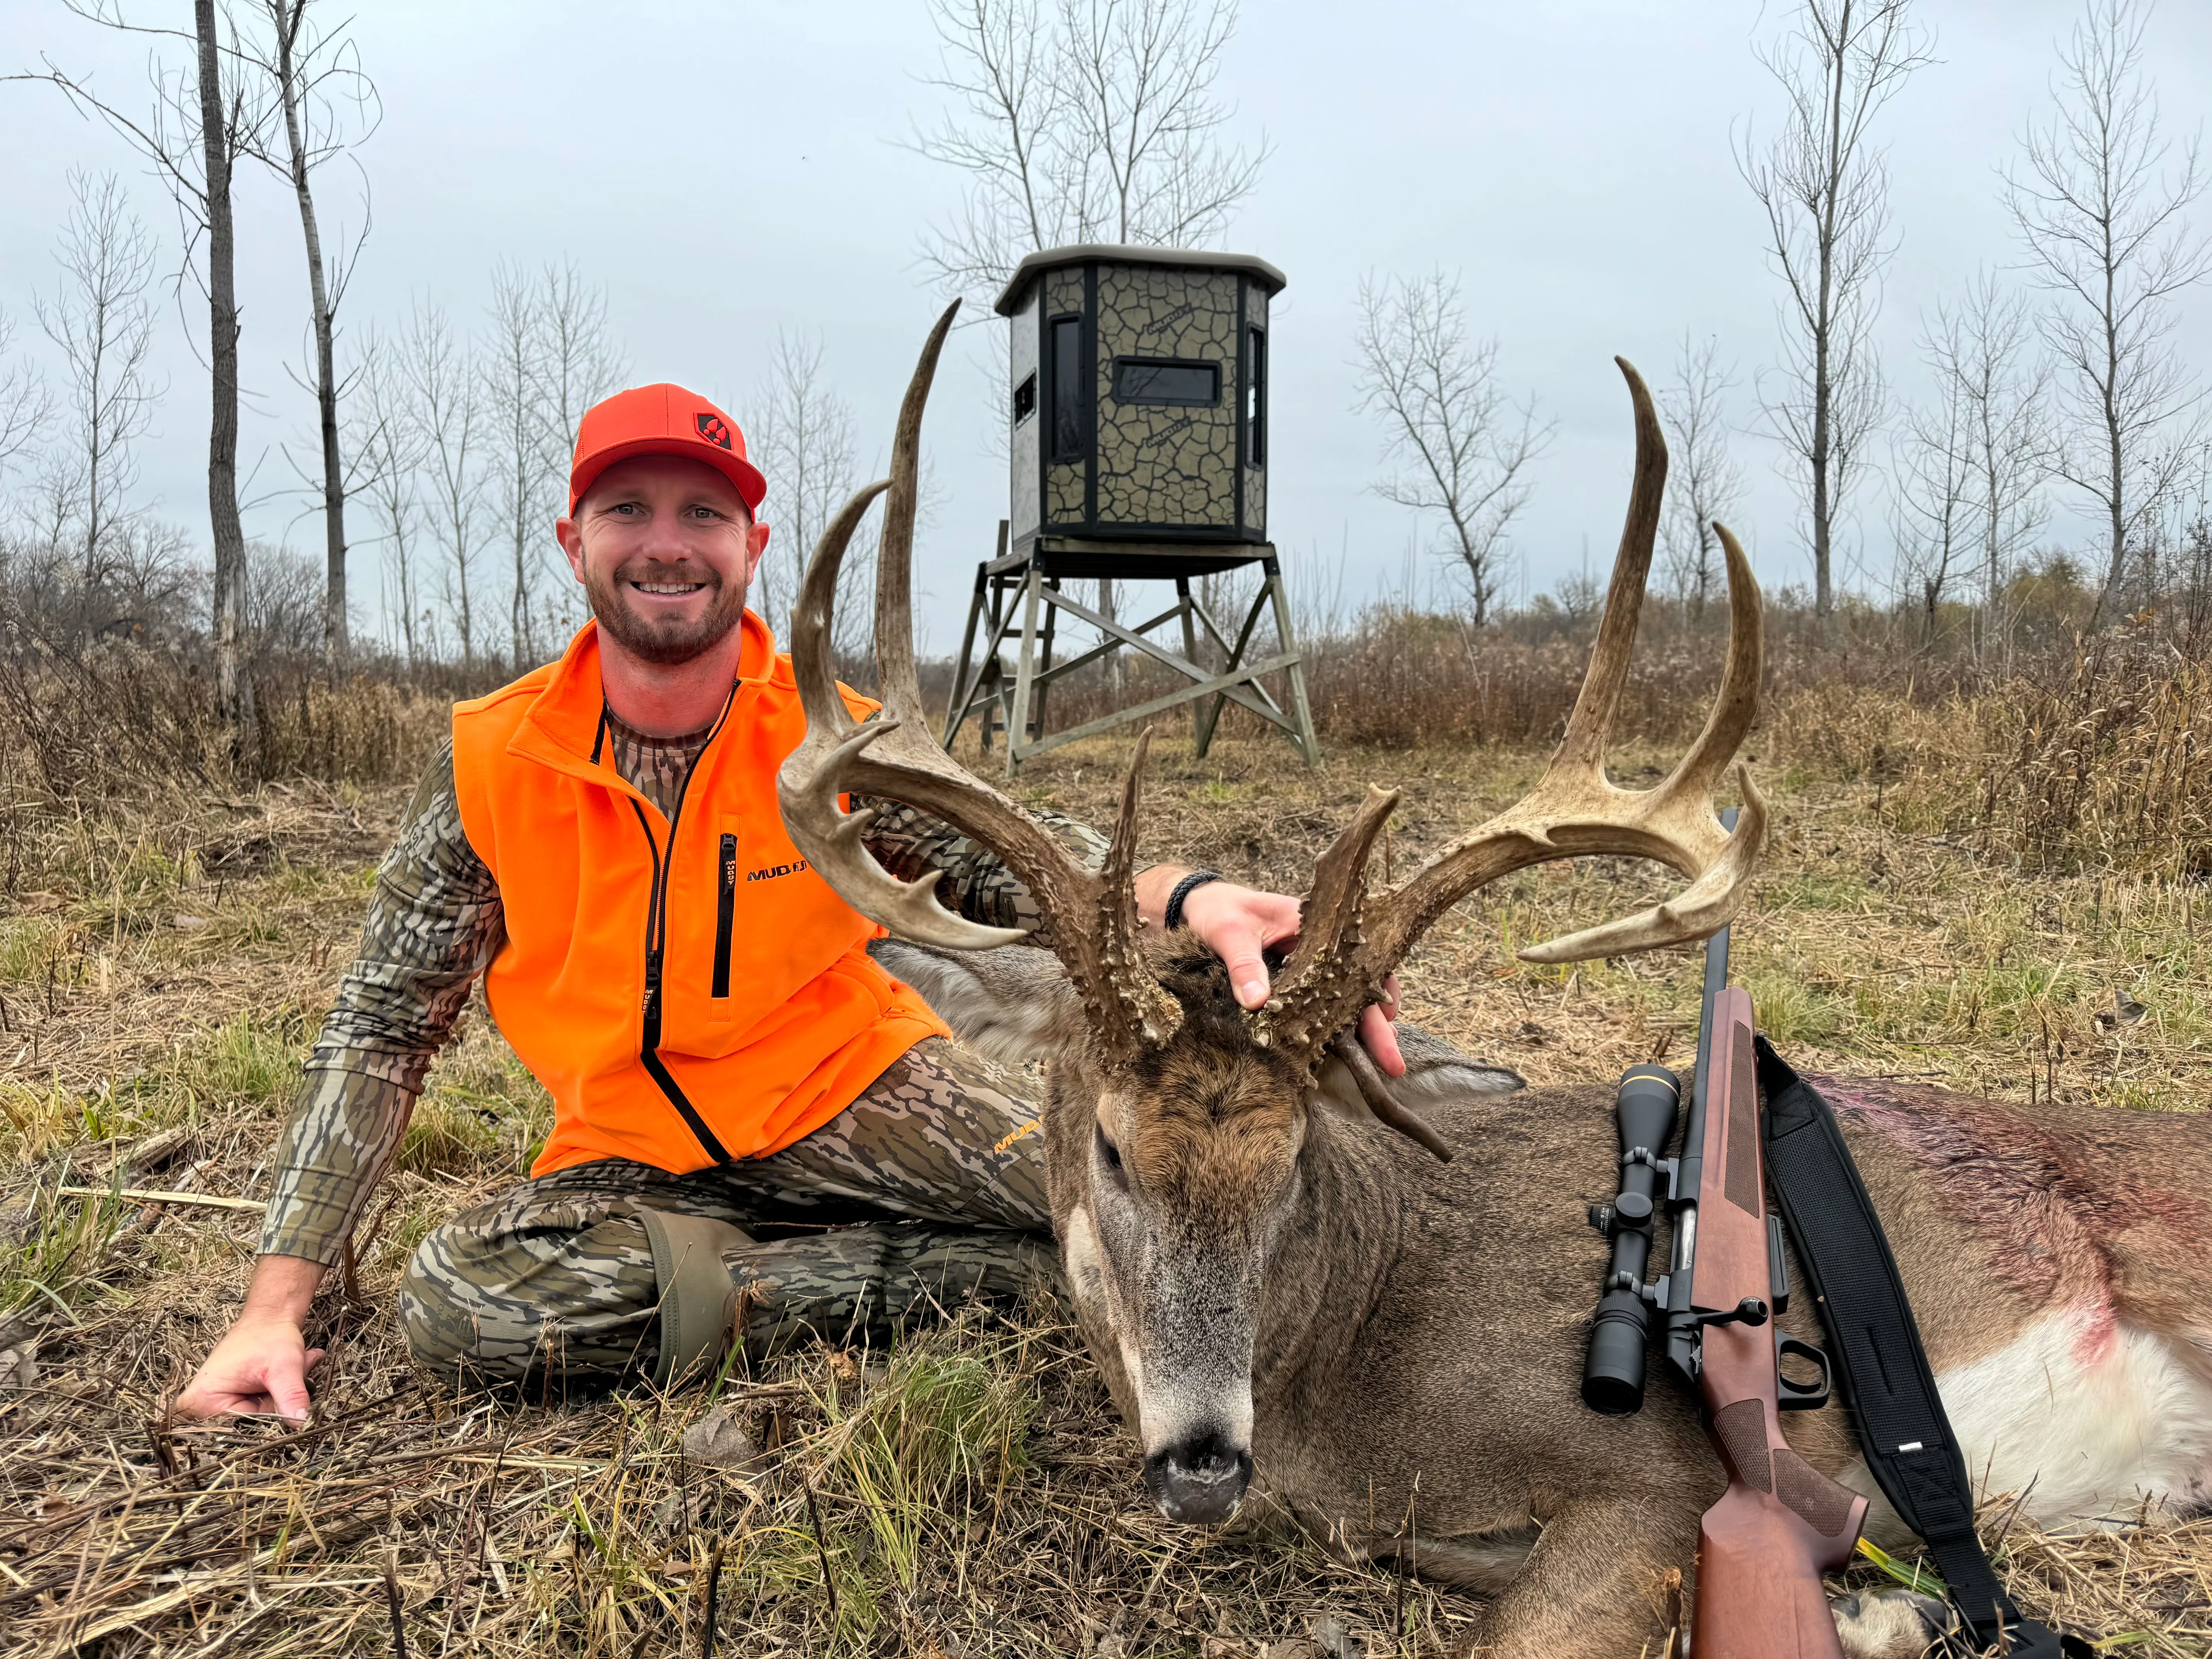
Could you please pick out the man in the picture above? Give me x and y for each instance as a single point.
(601, 840)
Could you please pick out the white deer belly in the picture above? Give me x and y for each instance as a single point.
(2087, 1416)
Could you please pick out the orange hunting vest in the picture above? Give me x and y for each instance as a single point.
(689, 992)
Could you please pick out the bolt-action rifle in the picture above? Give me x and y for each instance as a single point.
(1781, 1523)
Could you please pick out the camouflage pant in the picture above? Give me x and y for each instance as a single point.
(931, 1185)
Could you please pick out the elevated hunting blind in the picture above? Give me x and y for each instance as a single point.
(1138, 436)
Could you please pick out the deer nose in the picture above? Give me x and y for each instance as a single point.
(1199, 1480)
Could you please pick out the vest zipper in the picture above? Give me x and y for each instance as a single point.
(725, 909)
(656, 944)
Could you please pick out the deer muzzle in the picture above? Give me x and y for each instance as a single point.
(1199, 1479)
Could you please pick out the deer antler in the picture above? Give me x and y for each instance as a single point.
(1092, 914)
(1350, 941)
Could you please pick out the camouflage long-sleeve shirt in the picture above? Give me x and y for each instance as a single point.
(435, 922)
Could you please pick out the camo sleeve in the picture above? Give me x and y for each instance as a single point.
(909, 843)
(434, 922)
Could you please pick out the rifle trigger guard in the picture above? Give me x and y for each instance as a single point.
(1800, 1396)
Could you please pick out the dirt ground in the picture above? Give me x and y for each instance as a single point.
(970, 1494)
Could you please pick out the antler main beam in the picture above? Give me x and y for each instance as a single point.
(1351, 942)
(1090, 915)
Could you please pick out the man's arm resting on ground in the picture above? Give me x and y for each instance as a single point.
(434, 922)
(261, 1364)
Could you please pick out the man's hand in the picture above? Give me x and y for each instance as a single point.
(261, 1364)
(1237, 924)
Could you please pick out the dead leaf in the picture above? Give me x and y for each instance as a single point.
(720, 1440)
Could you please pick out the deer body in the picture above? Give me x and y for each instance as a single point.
(1417, 1337)
(1380, 1334)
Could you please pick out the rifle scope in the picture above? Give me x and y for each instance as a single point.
(1644, 1109)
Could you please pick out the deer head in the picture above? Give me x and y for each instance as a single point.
(1196, 1113)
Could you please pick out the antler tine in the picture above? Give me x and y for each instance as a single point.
(1737, 703)
(1573, 810)
(826, 713)
(1583, 748)
(895, 757)
(1326, 960)
(1141, 1003)
(902, 691)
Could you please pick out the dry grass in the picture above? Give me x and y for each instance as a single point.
(161, 965)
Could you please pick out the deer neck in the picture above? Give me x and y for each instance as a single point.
(1339, 1243)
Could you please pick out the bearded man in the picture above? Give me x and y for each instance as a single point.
(758, 1133)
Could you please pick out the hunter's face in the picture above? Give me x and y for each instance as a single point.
(665, 550)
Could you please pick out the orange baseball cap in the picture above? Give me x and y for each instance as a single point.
(661, 420)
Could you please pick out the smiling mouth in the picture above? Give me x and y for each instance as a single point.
(671, 590)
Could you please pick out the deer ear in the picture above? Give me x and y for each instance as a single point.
(1435, 1072)
(1013, 1005)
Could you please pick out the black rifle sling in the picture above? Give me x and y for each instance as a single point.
(1906, 1439)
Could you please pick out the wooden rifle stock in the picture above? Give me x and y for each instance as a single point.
(1781, 1523)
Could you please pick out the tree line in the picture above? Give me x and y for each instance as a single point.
(441, 438)
(2053, 376)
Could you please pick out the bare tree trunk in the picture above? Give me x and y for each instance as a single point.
(288, 19)
(1464, 447)
(2104, 221)
(1704, 484)
(103, 325)
(233, 685)
(1823, 187)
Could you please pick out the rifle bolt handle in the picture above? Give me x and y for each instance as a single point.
(1752, 1310)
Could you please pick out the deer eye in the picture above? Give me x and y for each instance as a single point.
(1110, 1155)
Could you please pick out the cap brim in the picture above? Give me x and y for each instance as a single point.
(751, 487)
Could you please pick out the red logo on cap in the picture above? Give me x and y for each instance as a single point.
(712, 429)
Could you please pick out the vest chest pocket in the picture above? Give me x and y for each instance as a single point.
(726, 912)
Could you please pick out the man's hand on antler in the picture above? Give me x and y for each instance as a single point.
(1240, 925)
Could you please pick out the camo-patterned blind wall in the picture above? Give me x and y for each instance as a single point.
(1171, 464)
(1025, 439)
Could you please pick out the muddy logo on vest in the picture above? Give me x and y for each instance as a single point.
(770, 874)
(714, 430)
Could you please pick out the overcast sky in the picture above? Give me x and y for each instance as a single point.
(726, 169)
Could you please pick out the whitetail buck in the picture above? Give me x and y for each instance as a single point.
(1386, 1347)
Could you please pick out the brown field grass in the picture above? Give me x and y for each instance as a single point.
(1933, 905)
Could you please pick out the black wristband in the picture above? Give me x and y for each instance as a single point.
(1190, 883)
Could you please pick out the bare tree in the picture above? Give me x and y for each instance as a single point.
(1096, 122)
(2104, 219)
(1463, 445)
(546, 360)
(26, 406)
(1933, 480)
(802, 440)
(315, 73)
(578, 365)
(512, 375)
(442, 396)
(202, 121)
(386, 442)
(102, 323)
(1825, 187)
(224, 132)
(1704, 483)
(1982, 352)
